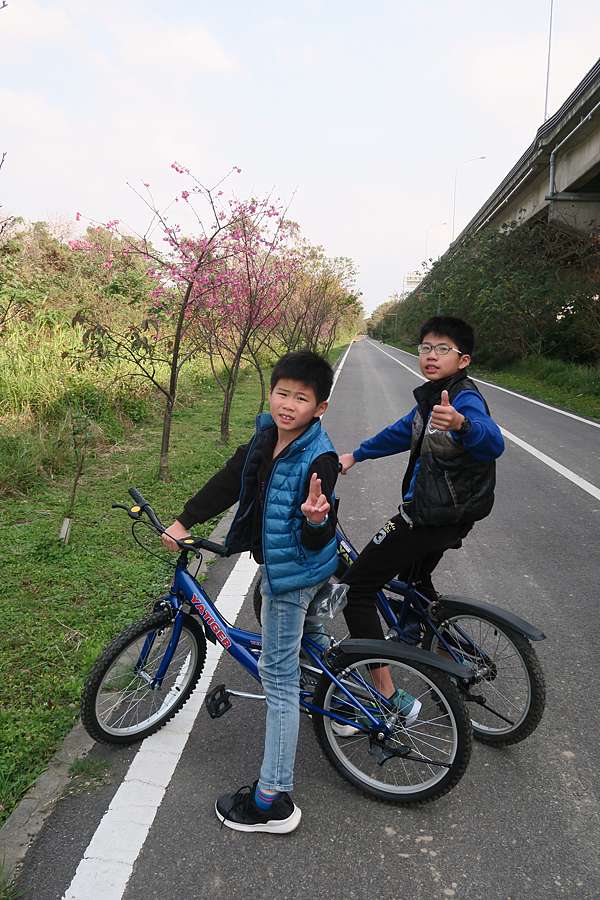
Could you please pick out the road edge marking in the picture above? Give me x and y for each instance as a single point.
(571, 476)
(107, 864)
(497, 387)
(106, 868)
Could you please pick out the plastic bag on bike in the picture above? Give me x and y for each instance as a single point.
(328, 601)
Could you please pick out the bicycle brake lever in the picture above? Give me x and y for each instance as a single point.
(134, 512)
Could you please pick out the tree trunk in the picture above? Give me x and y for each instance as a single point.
(263, 389)
(163, 468)
(228, 398)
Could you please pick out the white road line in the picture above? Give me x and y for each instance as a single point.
(108, 861)
(547, 460)
(400, 363)
(338, 369)
(504, 390)
(555, 409)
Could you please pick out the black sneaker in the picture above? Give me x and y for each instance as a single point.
(240, 812)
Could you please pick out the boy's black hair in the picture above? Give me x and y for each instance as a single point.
(311, 369)
(449, 326)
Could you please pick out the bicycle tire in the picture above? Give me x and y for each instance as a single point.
(257, 601)
(534, 687)
(448, 708)
(160, 623)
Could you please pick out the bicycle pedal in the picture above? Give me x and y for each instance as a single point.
(382, 754)
(217, 701)
(308, 681)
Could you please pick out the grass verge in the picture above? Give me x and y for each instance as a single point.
(7, 889)
(66, 603)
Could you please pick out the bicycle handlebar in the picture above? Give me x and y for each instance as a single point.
(187, 544)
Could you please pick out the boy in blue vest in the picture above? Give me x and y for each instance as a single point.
(284, 480)
(448, 484)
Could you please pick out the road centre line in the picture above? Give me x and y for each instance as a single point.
(110, 856)
(529, 448)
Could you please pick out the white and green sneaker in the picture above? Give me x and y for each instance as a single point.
(408, 707)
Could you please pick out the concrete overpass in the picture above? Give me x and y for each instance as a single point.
(557, 179)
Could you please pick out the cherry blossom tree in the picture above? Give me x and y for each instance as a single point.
(325, 300)
(180, 277)
(262, 267)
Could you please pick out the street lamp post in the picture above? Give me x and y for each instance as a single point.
(464, 163)
(548, 63)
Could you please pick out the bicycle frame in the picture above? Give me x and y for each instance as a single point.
(413, 600)
(244, 646)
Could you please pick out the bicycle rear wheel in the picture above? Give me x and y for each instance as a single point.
(257, 601)
(118, 703)
(416, 762)
(508, 675)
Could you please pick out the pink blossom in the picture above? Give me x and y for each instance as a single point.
(77, 216)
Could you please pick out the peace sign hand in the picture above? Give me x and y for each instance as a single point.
(316, 506)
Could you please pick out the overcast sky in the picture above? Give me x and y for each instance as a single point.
(361, 111)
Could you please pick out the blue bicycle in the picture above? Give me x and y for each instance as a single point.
(505, 690)
(147, 673)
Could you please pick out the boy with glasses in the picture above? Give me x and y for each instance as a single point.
(448, 484)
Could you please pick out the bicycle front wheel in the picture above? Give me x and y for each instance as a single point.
(423, 756)
(508, 679)
(119, 705)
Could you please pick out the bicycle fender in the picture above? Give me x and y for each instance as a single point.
(457, 603)
(403, 653)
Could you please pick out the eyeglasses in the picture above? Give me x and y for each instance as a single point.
(438, 349)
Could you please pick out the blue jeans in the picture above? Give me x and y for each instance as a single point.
(282, 626)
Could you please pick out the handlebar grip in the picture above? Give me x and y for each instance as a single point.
(145, 507)
(219, 549)
(201, 543)
(135, 494)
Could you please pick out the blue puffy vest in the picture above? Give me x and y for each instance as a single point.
(289, 565)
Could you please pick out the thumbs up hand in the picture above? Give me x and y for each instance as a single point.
(444, 417)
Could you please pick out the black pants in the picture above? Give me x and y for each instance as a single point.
(395, 551)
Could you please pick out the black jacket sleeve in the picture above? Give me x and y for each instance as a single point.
(218, 494)
(326, 468)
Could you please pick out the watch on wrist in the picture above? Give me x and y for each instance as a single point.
(317, 524)
(465, 427)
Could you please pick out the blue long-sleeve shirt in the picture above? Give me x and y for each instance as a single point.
(484, 439)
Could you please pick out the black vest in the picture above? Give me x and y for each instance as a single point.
(451, 487)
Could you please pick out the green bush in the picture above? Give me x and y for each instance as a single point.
(579, 379)
(29, 453)
(527, 291)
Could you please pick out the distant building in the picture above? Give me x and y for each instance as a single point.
(412, 281)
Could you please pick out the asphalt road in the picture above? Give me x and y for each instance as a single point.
(523, 823)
